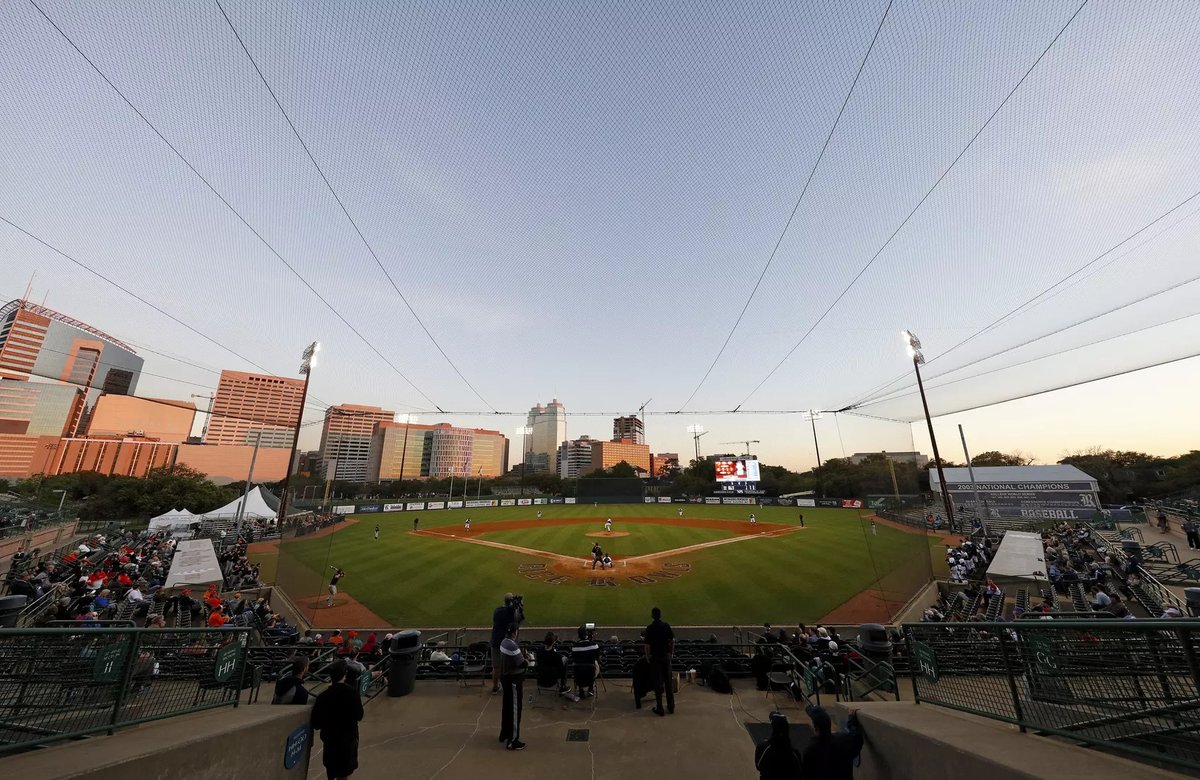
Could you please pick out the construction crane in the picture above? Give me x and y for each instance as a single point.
(697, 431)
(642, 414)
(207, 415)
(747, 442)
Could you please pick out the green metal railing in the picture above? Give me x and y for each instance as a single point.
(58, 683)
(1127, 686)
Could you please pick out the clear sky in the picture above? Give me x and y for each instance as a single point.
(577, 199)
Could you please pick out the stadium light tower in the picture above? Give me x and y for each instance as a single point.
(913, 344)
(697, 431)
(812, 415)
(407, 419)
(308, 361)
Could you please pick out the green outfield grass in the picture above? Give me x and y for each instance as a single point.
(410, 579)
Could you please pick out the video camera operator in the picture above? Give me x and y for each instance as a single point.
(513, 611)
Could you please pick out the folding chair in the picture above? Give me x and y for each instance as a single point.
(548, 677)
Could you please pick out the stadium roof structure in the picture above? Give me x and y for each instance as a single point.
(1055, 473)
(18, 304)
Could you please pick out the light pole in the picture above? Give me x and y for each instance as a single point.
(914, 351)
(408, 420)
(478, 490)
(697, 431)
(308, 361)
(451, 494)
(523, 431)
(61, 500)
(813, 415)
(241, 511)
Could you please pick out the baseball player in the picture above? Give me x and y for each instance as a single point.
(333, 584)
(608, 525)
(753, 519)
(377, 532)
(467, 524)
(681, 512)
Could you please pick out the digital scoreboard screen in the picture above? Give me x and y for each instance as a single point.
(737, 470)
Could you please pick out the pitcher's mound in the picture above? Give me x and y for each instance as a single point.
(607, 534)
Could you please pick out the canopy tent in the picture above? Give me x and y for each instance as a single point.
(174, 520)
(1020, 560)
(259, 505)
(195, 563)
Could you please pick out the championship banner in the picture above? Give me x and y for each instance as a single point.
(851, 503)
(393, 507)
(570, 500)
(508, 502)
(1029, 500)
(481, 503)
(410, 506)
(524, 502)
(364, 508)
(436, 505)
(454, 505)
(806, 502)
(343, 510)
(663, 500)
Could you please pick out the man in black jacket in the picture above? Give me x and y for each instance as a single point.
(513, 665)
(660, 644)
(585, 658)
(336, 715)
(290, 688)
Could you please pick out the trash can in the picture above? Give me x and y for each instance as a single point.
(402, 665)
(10, 610)
(873, 642)
(1193, 601)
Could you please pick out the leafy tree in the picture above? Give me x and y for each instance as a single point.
(994, 458)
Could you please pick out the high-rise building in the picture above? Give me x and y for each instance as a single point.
(41, 344)
(548, 426)
(629, 429)
(250, 405)
(606, 454)
(346, 439)
(575, 457)
(411, 451)
(153, 418)
(39, 408)
(662, 463)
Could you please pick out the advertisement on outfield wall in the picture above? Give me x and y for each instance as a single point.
(524, 502)
(570, 500)
(836, 503)
(737, 500)
(436, 505)
(851, 503)
(343, 510)
(480, 503)
(663, 500)
(454, 505)
(411, 505)
(393, 507)
(712, 500)
(648, 499)
(556, 500)
(680, 500)
(806, 502)
(365, 508)
(508, 502)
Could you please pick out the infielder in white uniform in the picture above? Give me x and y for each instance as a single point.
(608, 524)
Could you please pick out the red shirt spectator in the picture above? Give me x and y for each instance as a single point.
(216, 619)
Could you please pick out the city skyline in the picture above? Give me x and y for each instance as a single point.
(582, 206)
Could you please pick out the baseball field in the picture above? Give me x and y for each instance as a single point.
(711, 566)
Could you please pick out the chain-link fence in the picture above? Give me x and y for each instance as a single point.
(59, 683)
(1129, 686)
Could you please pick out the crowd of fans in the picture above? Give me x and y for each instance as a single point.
(239, 572)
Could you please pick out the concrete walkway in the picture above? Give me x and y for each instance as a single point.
(446, 731)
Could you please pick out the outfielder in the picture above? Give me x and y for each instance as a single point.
(753, 519)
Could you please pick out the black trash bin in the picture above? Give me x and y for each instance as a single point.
(403, 655)
(10, 610)
(874, 643)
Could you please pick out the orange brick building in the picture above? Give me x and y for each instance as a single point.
(606, 454)
(246, 404)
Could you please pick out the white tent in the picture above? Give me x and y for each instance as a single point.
(174, 520)
(258, 507)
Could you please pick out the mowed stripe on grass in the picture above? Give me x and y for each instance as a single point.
(413, 579)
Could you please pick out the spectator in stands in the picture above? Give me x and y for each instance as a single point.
(585, 658)
(831, 756)
(307, 639)
(134, 595)
(760, 667)
(371, 646)
(1100, 599)
(290, 688)
(439, 654)
(216, 618)
(336, 715)
(547, 657)
(775, 758)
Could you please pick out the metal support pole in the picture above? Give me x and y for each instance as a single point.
(817, 446)
(287, 477)
(241, 512)
(937, 458)
(126, 679)
(1012, 682)
(980, 510)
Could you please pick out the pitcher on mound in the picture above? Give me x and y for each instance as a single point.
(608, 525)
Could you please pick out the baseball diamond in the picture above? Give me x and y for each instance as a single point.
(711, 565)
